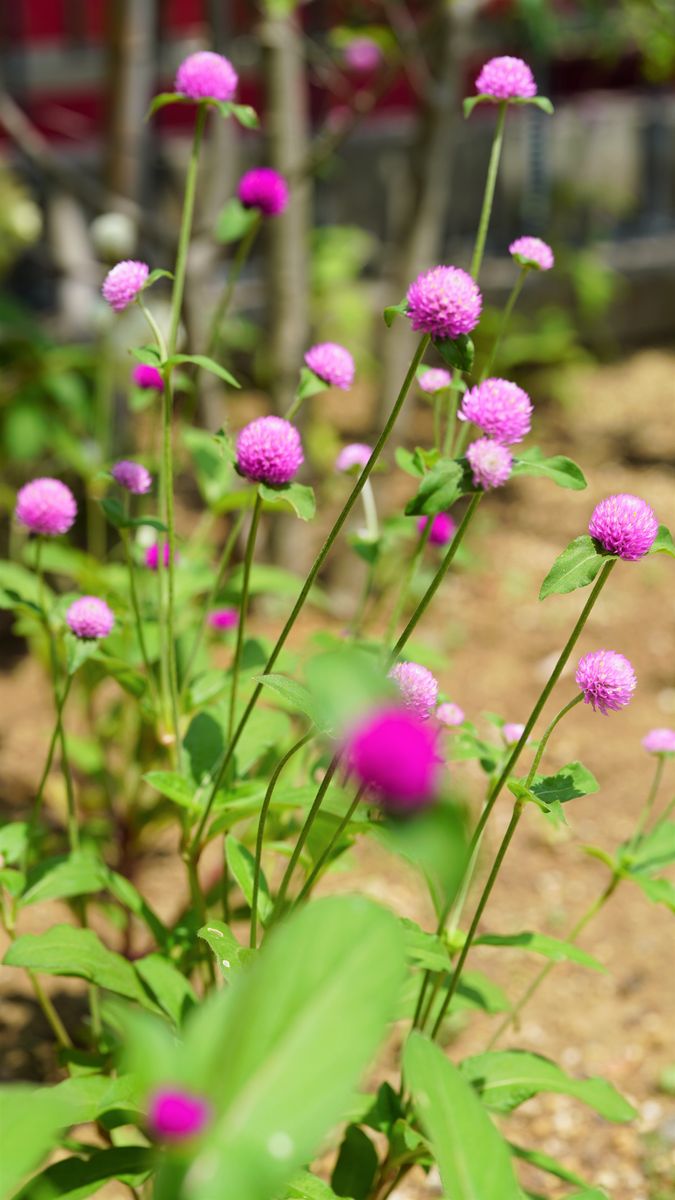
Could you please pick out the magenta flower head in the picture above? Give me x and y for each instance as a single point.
(265, 189)
(356, 454)
(532, 252)
(434, 380)
(152, 556)
(206, 76)
(512, 732)
(500, 408)
(606, 679)
(332, 363)
(123, 283)
(506, 78)
(90, 618)
(269, 450)
(362, 55)
(449, 714)
(624, 525)
(147, 377)
(224, 618)
(443, 528)
(394, 754)
(132, 476)
(175, 1115)
(418, 688)
(444, 302)
(659, 741)
(46, 506)
(491, 463)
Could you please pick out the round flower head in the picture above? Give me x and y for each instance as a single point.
(506, 78)
(512, 732)
(444, 302)
(123, 283)
(449, 714)
(46, 506)
(491, 463)
(418, 687)
(362, 54)
(269, 450)
(500, 408)
(332, 363)
(263, 188)
(624, 525)
(224, 618)
(90, 617)
(147, 377)
(152, 556)
(356, 454)
(443, 528)
(434, 380)
(394, 754)
(205, 75)
(132, 476)
(532, 252)
(606, 679)
(660, 741)
(175, 1114)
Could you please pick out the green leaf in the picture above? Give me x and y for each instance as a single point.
(234, 221)
(506, 1078)
(569, 783)
(438, 490)
(206, 363)
(299, 496)
(266, 728)
(559, 469)
(663, 543)
(172, 785)
(231, 955)
(544, 1162)
(654, 850)
(77, 874)
(297, 696)
(659, 891)
(473, 1159)
(78, 652)
(213, 458)
(158, 273)
(310, 384)
(356, 1166)
(64, 950)
(28, 1129)
(305, 1186)
(576, 567)
(243, 113)
(470, 102)
(85, 1098)
(164, 98)
(408, 461)
(74, 1178)
(14, 841)
(456, 352)
(242, 865)
(116, 515)
(395, 310)
(541, 102)
(541, 943)
(170, 988)
(147, 354)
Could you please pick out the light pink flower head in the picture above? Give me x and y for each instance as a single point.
(265, 189)
(123, 283)
(418, 687)
(362, 54)
(449, 714)
(147, 377)
(356, 454)
(434, 380)
(491, 463)
(133, 476)
(152, 556)
(90, 618)
(224, 618)
(394, 754)
(659, 741)
(46, 506)
(269, 450)
(444, 302)
(500, 408)
(512, 732)
(175, 1114)
(443, 528)
(205, 75)
(506, 78)
(332, 363)
(624, 525)
(606, 679)
(532, 252)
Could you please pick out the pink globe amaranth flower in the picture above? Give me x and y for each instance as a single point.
(46, 506)
(205, 75)
(506, 78)
(133, 476)
(175, 1114)
(264, 188)
(606, 679)
(332, 363)
(449, 714)
(500, 408)
(363, 55)
(269, 450)
(660, 741)
(491, 463)
(152, 555)
(123, 283)
(90, 618)
(356, 454)
(532, 252)
(434, 380)
(624, 525)
(223, 618)
(444, 302)
(512, 732)
(418, 687)
(147, 377)
(443, 528)
(394, 754)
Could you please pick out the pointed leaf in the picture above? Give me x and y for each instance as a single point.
(243, 113)
(506, 1078)
(296, 694)
(171, 990)
(242, 865)
(231, 955)
(544, 1162)
(310, 384)
(356, 1166)
(659, 891)
(569, 783)
(395, 310)
(438, 490)
(299, 496)
(655, 850)
(234, 221)
(64, 950)
(456, 352)
(559, 469)
(75, 1178)
(206, 363)
(541, 943)
(158, 273)
(163, 99)
(576, 567)
(663, 543)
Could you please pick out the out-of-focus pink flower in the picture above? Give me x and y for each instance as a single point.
(356, 454)
(205, 75)
(394, 754)
(434, 380)
(265, 189)
(506, 78)
(532, 252)
(443, 528)
(224, 618)
(123, 283)
(46, 506)
(332, 363)
(133, 476)
(269, 450)
(90, 618)
(512, 732)
(418, 687)
(175, 1115)
(362, 54)
(147, 377)
(152, 556)
(660, 741)
(449, 714)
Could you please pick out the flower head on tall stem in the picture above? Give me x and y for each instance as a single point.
(175, 1114)
(332, 363)
(394, 754)
(444, 302)
(532, 252)
(506, 78)
(356, 454)
(418, 687)
(123, 283)
(90, 618)
(434, 380)
(147, 377)
(659, 741)
(269, 450)
(491, 463)
(500, 409)
(265, 189)
(207, 76)
(606, 679)
(132, 476)
(624, 525)
(46, 506)
(450, 714)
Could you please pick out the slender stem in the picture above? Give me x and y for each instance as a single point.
(316, 869)
(437, 402)
(51, 1015)
(59, 701)
(209, 602)
(366, 592)
(154, 327)
(242, 252)
(648, 806)
(665, 814)
(243, 606)
(50, 753)
(169, 594)
(359, 485)
(404, 590)
(453, 405)
(302, 837)
(185, 230)
(135, 604)
(489, 193)
(260, 837)
(543, 741)
(503, 324)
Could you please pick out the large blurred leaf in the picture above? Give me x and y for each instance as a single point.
(655, 850)
(64, 950)
(506, 1078)
(75, 1178)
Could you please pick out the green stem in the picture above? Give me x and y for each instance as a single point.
(422, 540)
(51, 1015)
(260, 837)
(50, 755)
(453, 405)
(543, 741)
(325, 855)
(243, 606)
(185, 230)
(648, 806)
(210, 600)
(665, 814)
(503, 325)
(242, 252)
(489, 193)
(302, 837)
(135, 604)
